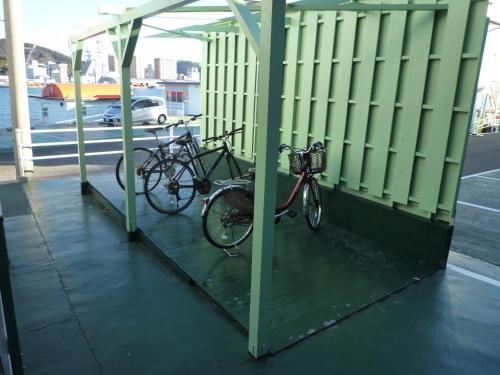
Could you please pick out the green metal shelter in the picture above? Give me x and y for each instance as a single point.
(387, 86)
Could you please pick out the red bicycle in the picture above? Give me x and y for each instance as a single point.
(227, 216)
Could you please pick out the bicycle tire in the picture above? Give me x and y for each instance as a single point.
(312, 204)
(175, 176)
(212, 214)
(140, 155)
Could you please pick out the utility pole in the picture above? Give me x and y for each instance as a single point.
(21, 135)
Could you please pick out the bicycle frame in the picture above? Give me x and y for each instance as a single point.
(225, 153)
(282, 208)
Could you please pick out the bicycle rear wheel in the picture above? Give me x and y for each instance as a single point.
(176, 189)
(227, 218)
(143, 160)
(312, 204)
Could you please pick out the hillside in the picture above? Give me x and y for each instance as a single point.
(39, 53)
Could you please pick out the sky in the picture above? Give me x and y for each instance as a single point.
(50, 23)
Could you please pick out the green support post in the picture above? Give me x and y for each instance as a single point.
(272, 47)
(247, 21)
(80, 135)
(127, 35)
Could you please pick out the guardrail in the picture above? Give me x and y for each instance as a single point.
(34, 145)
(10, 350)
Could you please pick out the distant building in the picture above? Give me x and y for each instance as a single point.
(169, 69)
(137, 69)
(133, 68)
(157, 68)
(183, 93)
(149, 72)
(111, 63)
(36, 71)
(165, 69)
(63, 73)
(194, 74)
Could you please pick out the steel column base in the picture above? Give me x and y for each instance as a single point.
(133, 236)
(84, 188)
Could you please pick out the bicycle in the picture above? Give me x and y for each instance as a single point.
(227, 216)
(144, 158)
(181, 179)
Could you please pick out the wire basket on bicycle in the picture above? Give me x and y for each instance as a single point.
(313, 161)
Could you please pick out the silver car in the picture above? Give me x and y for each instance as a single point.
(145, 109)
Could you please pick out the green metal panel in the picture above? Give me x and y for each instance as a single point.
(342, 68)
(388, 92)
(229, 105)
(362, 81)
(289, 89)
(446, 82)
(240, 92)
(221, 81)
(321, 93)
(204, 87)
(306, 77)
(391, 46)
(250, 102)
(212, 84)
(411, 97)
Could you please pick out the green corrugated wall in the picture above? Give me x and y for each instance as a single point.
(389, 93)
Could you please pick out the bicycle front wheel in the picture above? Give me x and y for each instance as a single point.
(175, 190)
(144, 159)
(227, 218)
(312, 204)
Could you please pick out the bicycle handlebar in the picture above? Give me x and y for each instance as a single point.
(314, 146)
(182, 122)
(224, 136)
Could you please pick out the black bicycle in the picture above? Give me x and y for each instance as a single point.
(178, 180)
(145, 158)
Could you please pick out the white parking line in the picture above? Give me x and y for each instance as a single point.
(489, 178)
(479, 206)
(474, 275)
(479, 174)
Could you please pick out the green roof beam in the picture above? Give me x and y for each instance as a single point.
(248, 23)
(355, 6)
(177, 33)
(334, 5)
(150, 9)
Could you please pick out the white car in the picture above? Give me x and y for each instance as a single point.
(144, 109)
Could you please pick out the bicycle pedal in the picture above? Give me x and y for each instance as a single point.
(291, 213)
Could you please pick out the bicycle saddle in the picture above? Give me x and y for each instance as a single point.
(154, 130)
(183, 140)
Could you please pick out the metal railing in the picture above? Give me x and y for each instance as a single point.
(489, 123)
(176, 108)
(35, 145)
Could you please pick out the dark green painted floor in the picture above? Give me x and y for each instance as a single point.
(318, 277)
(89, 302)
